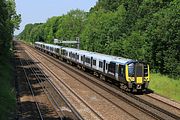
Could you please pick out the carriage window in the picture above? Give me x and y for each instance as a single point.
(70, 54)
(77, 56)
(87, 60)
(51, 48)
(57, 50)
(64, 52)
(111, 67)
(100, 64)
(94, 62)
(73, 55)
(81, 58)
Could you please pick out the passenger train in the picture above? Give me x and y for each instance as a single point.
(129, 74)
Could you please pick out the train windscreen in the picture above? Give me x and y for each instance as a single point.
(131, 70)
(137, 69)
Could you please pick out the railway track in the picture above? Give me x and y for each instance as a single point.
(33, 94)
(154, 110)
(48, 89)
(162, 99)
(38, 112)
(71, 90)
(136, 102)
(172, 108)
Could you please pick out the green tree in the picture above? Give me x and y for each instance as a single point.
(71, 25)
(146, 30)
(9, 21)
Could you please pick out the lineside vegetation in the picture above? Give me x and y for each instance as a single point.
(165, 86)
(9, 21)
(7, 91)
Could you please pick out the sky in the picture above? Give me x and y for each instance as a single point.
(38, 11)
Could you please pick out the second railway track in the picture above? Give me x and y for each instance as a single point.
(61, 107)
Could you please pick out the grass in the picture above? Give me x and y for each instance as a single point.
(165, 86)
(7, 92)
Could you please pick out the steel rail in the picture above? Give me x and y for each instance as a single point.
(45, 90)
(61, 95)
(72, 91)
(32, 92)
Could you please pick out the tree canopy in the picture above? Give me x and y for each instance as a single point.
(9, 21)
(145, 30)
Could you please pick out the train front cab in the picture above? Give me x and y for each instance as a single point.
(137, 76)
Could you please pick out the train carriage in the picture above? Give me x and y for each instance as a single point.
(38, 45)
(134, 74)
(69, 54)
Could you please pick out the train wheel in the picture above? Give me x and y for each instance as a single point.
(96, 74)
(83, 68)
(102, 77)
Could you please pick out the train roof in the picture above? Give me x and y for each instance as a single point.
(50, 45)
(87, 53)
(111, 58)
(99, 56)
(54, 46)
(39, 43)
(82, 52)
(70, 49)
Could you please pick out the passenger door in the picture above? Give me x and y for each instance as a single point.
(83, 59)
(104, 65)
(121, 73)
(91, 61)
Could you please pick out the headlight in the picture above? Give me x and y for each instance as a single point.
(145, 79)
(131, 79)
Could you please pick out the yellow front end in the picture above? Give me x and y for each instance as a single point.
(137, 82)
